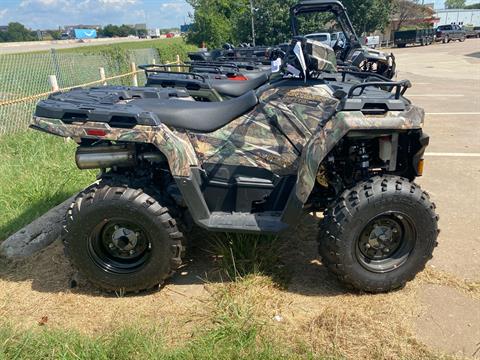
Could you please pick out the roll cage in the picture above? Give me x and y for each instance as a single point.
(324, 6)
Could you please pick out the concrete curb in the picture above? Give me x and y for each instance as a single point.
(37, 235)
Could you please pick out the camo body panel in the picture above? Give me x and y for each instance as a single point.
(327, 138)
(174, 145)
(252, 139)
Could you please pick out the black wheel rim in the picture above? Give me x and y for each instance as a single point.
(119, 246)
(386, 242)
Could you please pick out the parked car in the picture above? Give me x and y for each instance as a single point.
(470, 31)
(329, 39)
(170, 35)
(414, 37)
(477, 31)
(447, 33)
(372, 41)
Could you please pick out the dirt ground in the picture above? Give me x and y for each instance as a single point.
(436, 313)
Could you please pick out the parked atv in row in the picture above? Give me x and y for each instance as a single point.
(208, 80)
(313, 140)
(350, 52)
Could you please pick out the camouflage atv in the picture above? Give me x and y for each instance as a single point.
(311, 142)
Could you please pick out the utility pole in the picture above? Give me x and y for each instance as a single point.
(252, 11)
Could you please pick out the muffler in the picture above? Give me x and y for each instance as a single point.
(104, 157)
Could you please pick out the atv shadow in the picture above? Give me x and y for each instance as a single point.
(474, 55)
(50, 271)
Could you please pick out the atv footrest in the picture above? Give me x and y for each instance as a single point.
(244, 222)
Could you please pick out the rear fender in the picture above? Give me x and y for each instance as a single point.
(175, 146)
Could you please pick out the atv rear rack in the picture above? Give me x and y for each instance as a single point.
(162, 69)
(170, 69)
(254, 59)
(237, 66)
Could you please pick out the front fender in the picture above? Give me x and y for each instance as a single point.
(326, 138)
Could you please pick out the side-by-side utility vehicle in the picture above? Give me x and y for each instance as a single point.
(318, 139)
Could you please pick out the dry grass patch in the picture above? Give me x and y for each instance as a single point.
(434, 276)
(312, 317)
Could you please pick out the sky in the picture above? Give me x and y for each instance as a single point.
(50, 14)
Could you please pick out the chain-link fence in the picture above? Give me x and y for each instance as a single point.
(24, 78)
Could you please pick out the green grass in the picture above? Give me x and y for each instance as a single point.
(234, 326)
(220, 343)
(37, 172)
(240, 255)
(27, 74)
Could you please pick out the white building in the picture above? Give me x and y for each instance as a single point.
(459, 17)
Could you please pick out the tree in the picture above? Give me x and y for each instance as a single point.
(473, 6)
(117, 31)
(369, 15)
(272, 22)
(17, 32)
(55, 34)
(215, 21)
(219, 21)
(406, 10)
(454, 4)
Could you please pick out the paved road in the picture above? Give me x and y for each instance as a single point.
(446, 82)
(12, 48)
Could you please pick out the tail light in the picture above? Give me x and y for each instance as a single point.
(96, 132)
(237, 77)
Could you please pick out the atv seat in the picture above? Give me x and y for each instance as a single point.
(223, 86)
(198, 116)
(238, 88)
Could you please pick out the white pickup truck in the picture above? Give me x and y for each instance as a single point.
(329, 39)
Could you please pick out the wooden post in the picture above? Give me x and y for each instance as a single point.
(154, 61)
(133, 70)
(102, 75)
(52, 79)
(178, 63)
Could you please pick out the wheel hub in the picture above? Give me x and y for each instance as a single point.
(124, 239)
(121, 241)
(381, 238)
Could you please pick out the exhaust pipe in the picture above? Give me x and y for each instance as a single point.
(103, 157)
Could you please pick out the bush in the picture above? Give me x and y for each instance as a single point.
(167, 49)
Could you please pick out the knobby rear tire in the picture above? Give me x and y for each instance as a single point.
(103, 201)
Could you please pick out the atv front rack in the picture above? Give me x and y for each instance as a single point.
(400, 87)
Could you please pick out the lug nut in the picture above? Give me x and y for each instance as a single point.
(132, 252)
(111, 246)
(368, 246)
